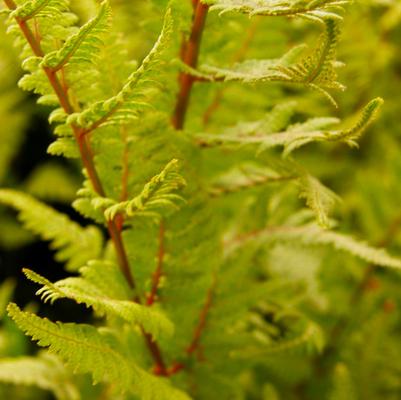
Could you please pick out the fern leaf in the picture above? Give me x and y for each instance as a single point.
(83, 347)
(95, 351)
(45, 372)
(84, 45)
(316, 71)
(39, 8)
(129, 101)
(157, 197)
(299, 135)
(313, 235)
(83, 291)
(75, 245)
(245, 176)
(316, 10)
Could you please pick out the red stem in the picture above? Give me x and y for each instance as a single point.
(189, 57)
(194, 345)
(159, 269)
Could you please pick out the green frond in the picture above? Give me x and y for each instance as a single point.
(125, 106)
(246, 176)
(159, 196)
(84, 45)
(298, 135)
(44, 371)
(318, 198)
(75, 245)
(39, 8)
(316, 70)
(352, 134)
(95, 351)
(71, 341)
(315, 10)
(84, 291)
(313, 235)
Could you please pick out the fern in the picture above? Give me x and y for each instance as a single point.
(82, 46)
(126, 104)
(312, 235)
(299, 135)
(102, 355)
(84, 291)
(315, 10)
(39, 8)
(206, 276)
(316, 70)
(75, 245)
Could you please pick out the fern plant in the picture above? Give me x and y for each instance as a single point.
(192, 217)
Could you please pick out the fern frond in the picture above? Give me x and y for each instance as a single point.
(44, 371)
(299, 135)
(316, 71)
(316, 10)
(85, 348)
(83, 291)
(125, 106)
(245, 176)
(75, 245)
(84, 45)
(157, 197)
(313, 235)
(95, 351)
(40, 8)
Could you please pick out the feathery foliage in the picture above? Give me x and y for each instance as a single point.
(232, 290)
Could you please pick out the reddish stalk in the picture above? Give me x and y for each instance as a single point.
(159, 269)
(194, 345)
(190, 56)
(114, 227)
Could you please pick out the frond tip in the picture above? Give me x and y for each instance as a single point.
(159, 196)
(84, 45)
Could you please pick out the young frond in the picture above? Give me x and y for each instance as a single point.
(125, 106)
(84, 45)
(299, 135)
(45, 372)
(83, 291)
(158, 197)
(312, 9)
(316, 70)
(75, 245)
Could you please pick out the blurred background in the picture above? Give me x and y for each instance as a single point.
(368, 180)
